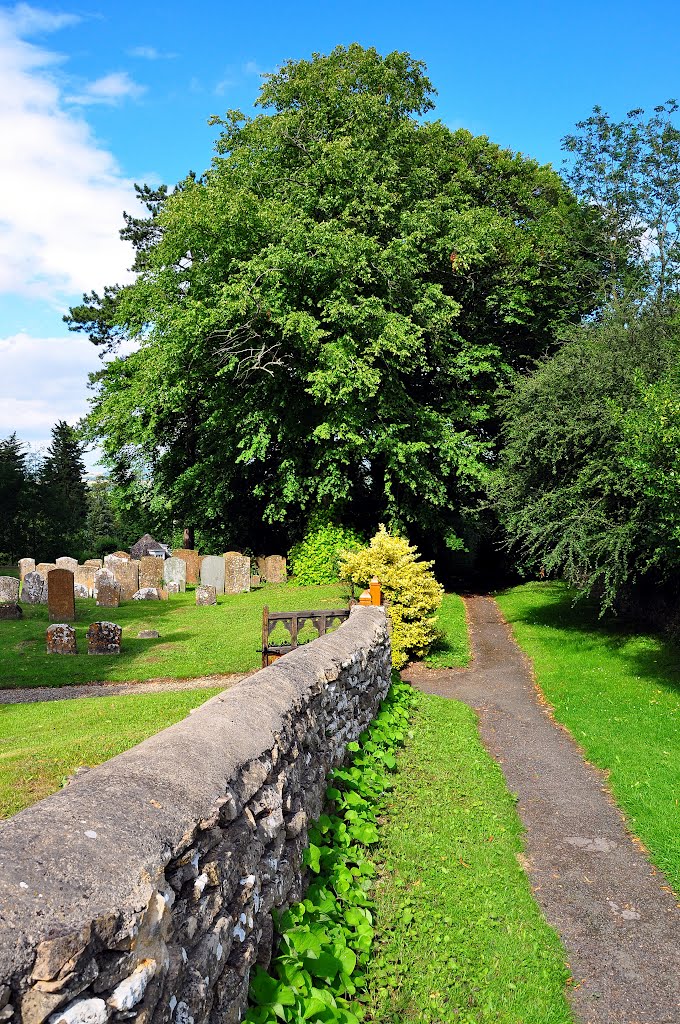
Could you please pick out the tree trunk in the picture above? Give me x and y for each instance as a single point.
(189, 538)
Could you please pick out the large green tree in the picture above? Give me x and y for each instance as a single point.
(63, 493)
(323, 318)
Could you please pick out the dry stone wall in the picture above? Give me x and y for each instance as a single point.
(144, 890)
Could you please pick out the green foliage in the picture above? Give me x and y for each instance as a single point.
(584, 487)
(618, 693)
(410, 587)
(316, 559)
(326, 939)
(323, 318)
(452, 646)
(63, 493)
(14, 485)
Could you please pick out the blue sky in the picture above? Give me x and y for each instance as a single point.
(95, 97)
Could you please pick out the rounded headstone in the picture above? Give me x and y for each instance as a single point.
(26, 565)
(34, 589)
(60, 595)
(9, 588)
(61, 639)
(65, 562)
(104, 638)
(175, 571)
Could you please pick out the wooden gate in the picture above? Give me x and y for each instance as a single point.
(294, 622)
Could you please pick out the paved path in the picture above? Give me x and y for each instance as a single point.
(617, 919)
(36, 694)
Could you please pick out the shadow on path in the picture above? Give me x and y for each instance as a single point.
(618, 918)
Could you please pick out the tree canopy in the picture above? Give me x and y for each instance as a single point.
(323, 318)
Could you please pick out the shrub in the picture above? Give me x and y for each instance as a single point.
(316, 559)
(409, 584)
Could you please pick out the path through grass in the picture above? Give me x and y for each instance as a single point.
(41, 744)
(453, 650)
(462, 938)
(618, 693)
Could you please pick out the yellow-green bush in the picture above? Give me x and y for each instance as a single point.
(407, 582)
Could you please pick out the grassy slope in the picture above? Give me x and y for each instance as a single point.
(462, 939)
(40, 744)
(453, 649)
(193, 641)
(619, 695)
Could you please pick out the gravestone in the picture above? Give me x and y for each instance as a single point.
(26, 565)
(61, 639)
(236, 572)
(173, 587)
(104, 638)
(275, 569)
(80, 591)
(150, 572)
(83, 576)
(126, 574)
(10, 610)
(44, 567)
(101, 576)
(96, 562)
(108, 594)
(9, 588)
(60, 595)
(193, 563)
(122, 554)
(147, 594)
(64, 562)
(175, 571)
(148, 634)
(34, 589)
(212, 572)
(205, 595)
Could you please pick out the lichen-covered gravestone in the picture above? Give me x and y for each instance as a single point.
(102, 576)
(236, 572)
(26, 565)
(108, 594)
(127, 576)
(61, 639)
(83, 576)
(175, 571)
(193, 563)
(34, 589)
(44, 567)
(212, 572)
(96, 562)
(147, 594)
(150, 572)
(61, 601)
(275, 569)
(9, 588)
(173, 587)
(104, 638)
(65, 562)
(205, 595)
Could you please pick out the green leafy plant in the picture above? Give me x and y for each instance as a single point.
(316, 559)
(408, 583)
(326, 939)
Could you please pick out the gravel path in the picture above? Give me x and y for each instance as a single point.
(617, 917)
(43, 693)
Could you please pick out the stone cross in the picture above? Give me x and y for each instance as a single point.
(175, 571)
(34, 589)
(104, 638)
(9, 588)
(236, 572)
(61, 595)
(212, 572)
(61, 639)
(26, 565)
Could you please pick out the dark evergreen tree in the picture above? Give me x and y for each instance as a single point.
(13, 486)
(63, 493)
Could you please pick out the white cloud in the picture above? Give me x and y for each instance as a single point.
(61, 193)
(149, 53)
(111, 89)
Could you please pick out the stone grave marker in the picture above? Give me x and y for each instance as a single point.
(10, 610)
(96, 562)
(148, 634)
(126, 574)
(147, 594)
(236, 572)
(83, 576)
(125, 555)
(104, 638)
(44, 567)
(34, 589)
(61, 639)
(173, 587)
(175, 571)
(193, 563)
(9, 588)
(101, 576)
(205, 595)
(80, 591)
(212, 572)
(64, 562)
(275, 569)
(60, 595)
(108, 593)
(151, 572)
(26, 565)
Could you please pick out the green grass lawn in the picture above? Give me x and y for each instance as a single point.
(193, 641)
(461, 938)
(618, 693)
(41, 744)
(453, 649)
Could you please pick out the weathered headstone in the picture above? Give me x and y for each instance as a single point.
(9, 588)
(80, 591)
(108, 593)
(83, 576)
(61, 639)
(173, 587)
(151, 572)
(205, 595)
(26, 565)
(104, 638)
(148, 634)
(65, 562)
(193, 563)
(101, 576)
(127, 575)
(147, 594)
(175, 571)
(60, 595)
(96, 562)
(34, 589)
(236, 572)
(212, 572)
(255, 581)
(125, 555)
(275, 569)
(44, 567)
(10, 610)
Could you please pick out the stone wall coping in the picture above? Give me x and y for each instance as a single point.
(95, 847)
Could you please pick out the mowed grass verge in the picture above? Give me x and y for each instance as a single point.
(452, 650)
(618, 693)
(193, 641)
(41, 744)
(460, 936)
